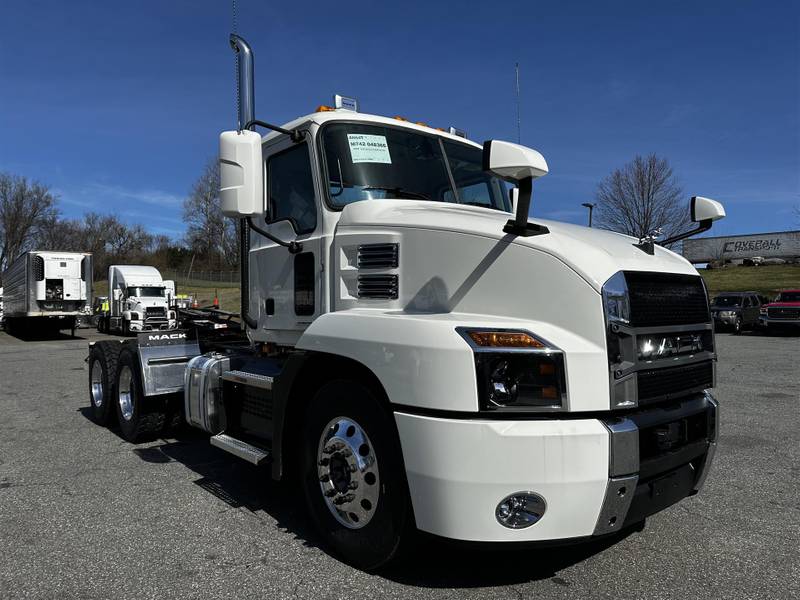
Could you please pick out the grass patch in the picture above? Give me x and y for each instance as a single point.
(767, 280)
(228, 293)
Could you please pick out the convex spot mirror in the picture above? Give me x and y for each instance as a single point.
(241, 174)
(706, 209)
(512, 162)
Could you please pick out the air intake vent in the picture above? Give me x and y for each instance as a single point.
(377, 256)
(38, 267)
(377, 286)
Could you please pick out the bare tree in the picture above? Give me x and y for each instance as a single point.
(210, 235)
(641, 197)
(25, 207)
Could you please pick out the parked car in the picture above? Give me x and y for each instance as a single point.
(783, 312)
(736, 311)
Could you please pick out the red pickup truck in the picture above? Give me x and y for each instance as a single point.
(784, 311)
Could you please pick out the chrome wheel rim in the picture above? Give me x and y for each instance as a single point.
(348, 472)
(125, 393)
(96, 383)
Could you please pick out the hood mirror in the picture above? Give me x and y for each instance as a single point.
(703, 211)
(706, 209)
(520, 165)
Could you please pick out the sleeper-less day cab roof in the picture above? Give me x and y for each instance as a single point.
(595, 254)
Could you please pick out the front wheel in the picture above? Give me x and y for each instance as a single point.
(353, 475)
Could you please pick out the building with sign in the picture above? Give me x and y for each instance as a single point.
(736, 248)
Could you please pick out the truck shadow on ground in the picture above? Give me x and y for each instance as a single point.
(430, 562)
(43, 336)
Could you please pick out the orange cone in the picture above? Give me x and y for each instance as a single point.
(216, 300)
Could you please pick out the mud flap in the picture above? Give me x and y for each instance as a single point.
(163, 356)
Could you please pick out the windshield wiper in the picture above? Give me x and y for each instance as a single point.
(398, 191)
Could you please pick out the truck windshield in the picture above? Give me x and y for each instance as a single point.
(788, 297)
(371, 162)
(149, 291)
(728, 301)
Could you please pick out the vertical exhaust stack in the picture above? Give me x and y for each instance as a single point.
(246, 107)
(245, 92)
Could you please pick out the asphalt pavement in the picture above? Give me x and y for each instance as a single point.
(84, 514)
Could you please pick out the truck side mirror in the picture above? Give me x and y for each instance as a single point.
(241, 174)
(706, 209)
(703, 211)
(520, 165)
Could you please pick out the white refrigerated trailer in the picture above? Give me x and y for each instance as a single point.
(420, 354)
(46, 291)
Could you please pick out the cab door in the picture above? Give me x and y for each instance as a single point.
(287, 286)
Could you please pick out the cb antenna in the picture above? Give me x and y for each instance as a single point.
(519, 129)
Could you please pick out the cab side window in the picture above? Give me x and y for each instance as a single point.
(291, 189)
(747, 302)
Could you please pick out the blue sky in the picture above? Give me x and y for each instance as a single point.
(117, 105)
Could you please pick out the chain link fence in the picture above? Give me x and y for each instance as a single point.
(203, 278)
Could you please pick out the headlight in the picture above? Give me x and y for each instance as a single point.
(172, 314)
(516, 370)
(727, 313)
(616, 302)
(134, 316)
(762, 312)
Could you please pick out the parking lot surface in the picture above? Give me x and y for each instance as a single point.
(84, 514)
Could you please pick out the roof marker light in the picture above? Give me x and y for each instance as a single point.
(345, 102)
(323, 108)
(458, 132)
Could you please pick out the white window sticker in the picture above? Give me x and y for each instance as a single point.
(369, 148)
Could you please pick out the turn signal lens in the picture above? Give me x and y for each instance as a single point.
(505, 339)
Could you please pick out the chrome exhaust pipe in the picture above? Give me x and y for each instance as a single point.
(246, 95)
(245, 81)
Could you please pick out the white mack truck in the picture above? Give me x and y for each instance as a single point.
(419, 354)
(139, 300)
(46, 291)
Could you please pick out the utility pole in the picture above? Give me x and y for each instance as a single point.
(591, 208)
(519, 130)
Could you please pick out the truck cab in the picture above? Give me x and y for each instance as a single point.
(421, 353)
(139, 300)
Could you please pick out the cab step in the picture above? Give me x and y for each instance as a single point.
(245, 451)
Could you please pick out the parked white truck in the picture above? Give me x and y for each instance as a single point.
(139, 300)
(420, 354)
(46, 291)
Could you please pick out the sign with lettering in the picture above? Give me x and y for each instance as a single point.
(782, 244)
(369, 148)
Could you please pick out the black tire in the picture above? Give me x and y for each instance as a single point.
(737, 326)
(103, 356)
(143, 418)
(378, 542)
(126, 328)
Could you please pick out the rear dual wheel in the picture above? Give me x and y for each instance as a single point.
(140, 418)
(102, 372)
(353, 476)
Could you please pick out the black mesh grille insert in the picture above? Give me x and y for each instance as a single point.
(377, 256)
(780, 312)
(377, 286)
(660, 299)
(672, 382)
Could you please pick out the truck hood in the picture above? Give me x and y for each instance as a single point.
(594, 254)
